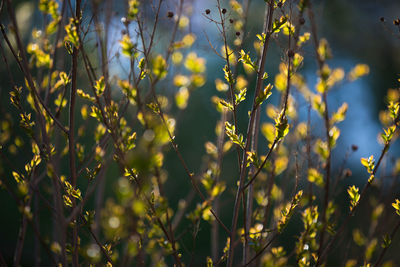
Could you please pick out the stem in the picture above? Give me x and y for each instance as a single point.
(269, 15)
(362, 196)
(71, 134)
(320, 62)
(20, 241)
(383, 252)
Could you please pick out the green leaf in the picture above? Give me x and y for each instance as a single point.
(264, 94)
(281, 126)
(396, 206)
(387, 241)
(133, 9)
(96, 113)
(279, 24)
(230, 132)
(209, 262)
(340, 114)
(245, 59)
(314, 176)
(228, 75)
(226, 104)
(83, 95)
(354, 196)
(387, 134)
(18, 177)
(394, 109)
(252, 158)
(100, 86)
(324, 50)
(368, 163)
(160, 67)
(334, 134)
(128, 48)
(67, 201)
(72, 32)
(241, 96)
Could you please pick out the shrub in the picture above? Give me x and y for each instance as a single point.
(96, 144)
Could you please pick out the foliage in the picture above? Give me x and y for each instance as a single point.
(100, 164)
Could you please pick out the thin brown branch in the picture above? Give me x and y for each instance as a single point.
(269, 14)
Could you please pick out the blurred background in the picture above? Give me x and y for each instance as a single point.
(358, 31)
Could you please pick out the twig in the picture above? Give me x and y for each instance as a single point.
(383, 252)
(362, 196)
(238, 196)
(321, 62)
(71, 133)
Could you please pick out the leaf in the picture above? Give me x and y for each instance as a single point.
(228, 75)
(387, 134)
(334, 134)
(354, 196)
(314, 176)
(396, 206)
(128, 48)
(245, 59)
(194, 63)
(230, 132)
(321, 148)
(340, 114)
(133, 9)
(83, 95)
(18, 178)
(368, 163)
(181, 98)
(96, 113)
(226, 104)
(241, 96)
(324, 50)
(128, 90)
(358, 71)
(160, 67)
(72, 33)
(67, 201)
(281, 126)
(279, 24)
(100, 86)
(264, 94)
